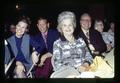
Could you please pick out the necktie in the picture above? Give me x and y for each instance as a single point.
(45, 39)
(87, 35)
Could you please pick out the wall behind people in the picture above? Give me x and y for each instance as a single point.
(53, 8)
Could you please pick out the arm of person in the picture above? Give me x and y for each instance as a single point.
(100, 45)
(44, 57)
(109, 47)
(84, 67)
(111, 39)
(35, 57)
(87, 60)
(5, 66)
(92, 48)
(37, 49)
(56, 58)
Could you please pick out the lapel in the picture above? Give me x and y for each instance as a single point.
(25, 45)
(48, 36)
(83, 36)
(13, 45)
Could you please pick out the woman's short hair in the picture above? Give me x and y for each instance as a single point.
(66, 15)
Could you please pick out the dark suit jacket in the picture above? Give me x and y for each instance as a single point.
(52, 35)
(95, 39)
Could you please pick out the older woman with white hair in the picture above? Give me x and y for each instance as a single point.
(70, 54)
(107, 37)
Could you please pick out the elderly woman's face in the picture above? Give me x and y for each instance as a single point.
(99, 26)
(67, 27)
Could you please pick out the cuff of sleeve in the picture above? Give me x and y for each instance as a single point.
(87, 62)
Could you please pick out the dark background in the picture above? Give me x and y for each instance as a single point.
(104, 10)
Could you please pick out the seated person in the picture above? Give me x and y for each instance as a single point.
(108, 39)
(20, 44)
(111, 29)
(91, 36)
(68, 50)
(46, 38)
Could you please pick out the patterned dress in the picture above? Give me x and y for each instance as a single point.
(70, 54)
(108, 38)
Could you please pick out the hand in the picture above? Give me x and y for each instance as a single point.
(44, 57)
(95, 52)
(109, 46)
(41, 64)
(35, 58)
(84, 67)
(20, 66)
(81, 68)
(42, 60)
(5, 66)
(91, 47)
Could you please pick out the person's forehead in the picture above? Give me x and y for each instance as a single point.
(42, 21)
(99, 22)
(85, 16)
(112, 23)
(22, 23)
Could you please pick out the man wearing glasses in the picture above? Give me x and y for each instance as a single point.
(92, 37)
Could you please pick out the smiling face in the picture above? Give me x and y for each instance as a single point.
(42, 25)
(67, 27)
(21, 28)
(99, 26)
(85, 21)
